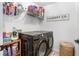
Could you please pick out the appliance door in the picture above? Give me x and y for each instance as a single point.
(24, 47)
(28, 47)
(41, 49)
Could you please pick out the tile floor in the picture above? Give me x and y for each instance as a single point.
(54, 53)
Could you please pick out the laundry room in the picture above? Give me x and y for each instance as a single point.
(39, 28)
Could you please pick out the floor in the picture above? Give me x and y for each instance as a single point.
(54, 53)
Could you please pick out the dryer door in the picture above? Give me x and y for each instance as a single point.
(42, 49)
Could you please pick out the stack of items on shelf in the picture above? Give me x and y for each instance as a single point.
(11, 8)
(10, 49)
(36, 11)
(8, 37)
(10, 46)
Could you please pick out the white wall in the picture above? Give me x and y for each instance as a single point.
(1, 28)
(22, 21)
(62, 30)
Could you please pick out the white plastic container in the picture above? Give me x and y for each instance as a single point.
(14, 49)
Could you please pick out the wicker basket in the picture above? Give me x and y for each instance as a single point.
(67, 49)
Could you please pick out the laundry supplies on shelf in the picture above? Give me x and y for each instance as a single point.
(36, 11)
(11, 8)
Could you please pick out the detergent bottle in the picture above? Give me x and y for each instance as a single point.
(14, 34)
(8, 9)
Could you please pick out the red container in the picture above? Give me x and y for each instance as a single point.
(8, 9)
(10, 34)
(4, 34)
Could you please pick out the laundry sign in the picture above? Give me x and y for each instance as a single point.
(62, 17)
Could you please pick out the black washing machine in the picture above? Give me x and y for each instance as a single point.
(36, 43)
